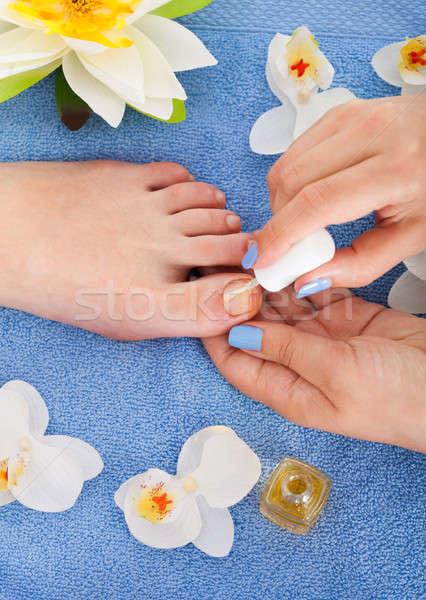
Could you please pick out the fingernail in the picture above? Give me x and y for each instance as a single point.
(220, 197)
(246, 337)
(237, 299)
(314, 287)
(250, 256)
(233, 222)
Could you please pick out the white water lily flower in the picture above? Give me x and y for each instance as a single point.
(408, 293)
(216, 469)
(42, 472)
(403, 65)
(112, 52)
(296, 69)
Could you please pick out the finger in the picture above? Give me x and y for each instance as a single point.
(333, 122)
(331, 156)
(339, 198)
(318, 359)
(369, 257)
(272, 384)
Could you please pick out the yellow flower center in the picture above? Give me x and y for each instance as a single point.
(303, 60)
(10, 478)
(154, 504)
(91, 20)
(413, 55)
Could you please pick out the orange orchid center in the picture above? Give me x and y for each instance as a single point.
(413, 54)
(9, 476)
(417, 57)
(300, 67)
(90, 20)
(154, 504)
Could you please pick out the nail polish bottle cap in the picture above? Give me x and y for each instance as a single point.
(312, 252)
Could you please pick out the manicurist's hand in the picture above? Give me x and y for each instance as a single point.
(352, 367)
(361, 157)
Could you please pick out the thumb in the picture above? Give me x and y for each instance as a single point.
(369, 257)
(315, 358)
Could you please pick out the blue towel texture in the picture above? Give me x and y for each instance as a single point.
(138, 402)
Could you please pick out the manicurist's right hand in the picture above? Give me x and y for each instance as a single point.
(361, 157)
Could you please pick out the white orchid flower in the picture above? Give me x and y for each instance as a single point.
(296, 69)
(408, 293)
(112, 52)
(403, 65)
(216, 469)
(42, 472)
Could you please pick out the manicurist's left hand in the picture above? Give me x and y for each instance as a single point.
(352, 367)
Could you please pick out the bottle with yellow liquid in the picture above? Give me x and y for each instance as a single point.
(294, 495)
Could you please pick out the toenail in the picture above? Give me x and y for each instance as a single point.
(233, 222)
(237, 301)
(220, 197)
(191, 177)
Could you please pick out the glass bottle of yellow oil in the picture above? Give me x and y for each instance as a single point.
(294, 495)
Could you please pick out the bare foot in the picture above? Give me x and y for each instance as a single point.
(108, 246)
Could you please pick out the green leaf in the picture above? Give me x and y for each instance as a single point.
(15, 84)
(178, 8)
(178, 114)
(72, 110)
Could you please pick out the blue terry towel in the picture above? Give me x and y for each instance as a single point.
(138, 402)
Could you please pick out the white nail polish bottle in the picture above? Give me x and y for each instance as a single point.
(312, 252)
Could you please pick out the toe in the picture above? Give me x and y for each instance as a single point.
(185, 196)
(206, 307)
(157, 176)
(213, 250)
(201, 221)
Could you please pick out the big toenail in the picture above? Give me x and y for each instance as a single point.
(237, 299)
(233, 222)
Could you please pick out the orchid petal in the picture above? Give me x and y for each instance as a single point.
(177, 529)
(160, 80)
(86, 456)
(180, 47)
(121, 493)
(6, 497)
(227, 472)
(385, 62)
(14, 417)
(120, 69)
(413, 77)
(217, 532)
(20, 45)
(51, 482)
(102, 100)
(317, 106)
(273, 132)
(413, 90)
(83, 45)
(145, 7)
(37, 409)
(192, 450)
(417, 265)
(408, 294)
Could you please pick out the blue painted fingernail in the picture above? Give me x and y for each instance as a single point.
(319, 285)
(250, 257)
(246, 337)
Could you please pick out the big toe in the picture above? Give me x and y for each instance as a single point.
(205, 307)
